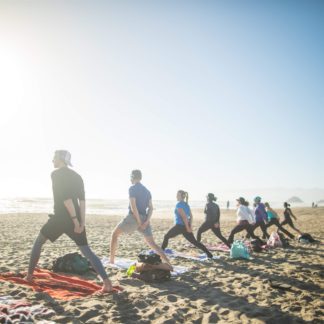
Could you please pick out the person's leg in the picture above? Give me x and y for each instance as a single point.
(35, 254)
(253, 228)
(151, 243)
(282, 229)
(203, 228)
(284, 222)
(173, 232)
(238, 228)
(270, 223)
(264, 230)
(250, 230)
(97, 265)
(190, 237)
(218, 233)
(291, 224)
(113, 243)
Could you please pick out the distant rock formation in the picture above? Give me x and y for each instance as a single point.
(321, 201)
(294, 199)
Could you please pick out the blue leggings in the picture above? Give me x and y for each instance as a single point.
(85, 250)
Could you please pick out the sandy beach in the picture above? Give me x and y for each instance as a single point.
(222, 291)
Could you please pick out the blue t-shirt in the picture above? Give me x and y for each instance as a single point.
(186, 209)
(142, 196)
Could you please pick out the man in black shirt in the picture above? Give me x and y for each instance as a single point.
(68, 217)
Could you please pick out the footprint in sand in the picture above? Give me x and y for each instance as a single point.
(172, 298)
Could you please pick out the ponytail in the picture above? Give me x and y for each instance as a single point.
(184, 195)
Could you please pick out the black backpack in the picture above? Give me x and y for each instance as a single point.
(149, 258)
(156, 275)
(256, 246)
(307, 237)
(71, 263)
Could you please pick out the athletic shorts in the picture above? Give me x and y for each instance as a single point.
(56, 226)
(129, 225)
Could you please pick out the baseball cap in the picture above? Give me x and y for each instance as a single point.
(241, 200)
(64, 156)
(211, 197)
(257, 199)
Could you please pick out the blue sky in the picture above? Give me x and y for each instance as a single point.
(201, 95)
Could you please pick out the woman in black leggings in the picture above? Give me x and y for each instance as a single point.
(288, 214)
(212, 219)
(245, 219)
(273, 219)
(183, 222)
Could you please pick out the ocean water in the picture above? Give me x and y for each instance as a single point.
(102, 206)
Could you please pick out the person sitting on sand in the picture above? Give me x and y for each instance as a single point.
(260, 218)
(288, 214)
(212, 213)
(183, 223)
(138, 218)
(245, 219)
(68, 217)
(273, 219)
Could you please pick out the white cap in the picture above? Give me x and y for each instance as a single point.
(65, 156)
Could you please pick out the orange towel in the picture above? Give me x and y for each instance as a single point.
(57, 286)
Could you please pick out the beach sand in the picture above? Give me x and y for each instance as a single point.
(222, 291)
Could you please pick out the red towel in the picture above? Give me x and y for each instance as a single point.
(57, 286)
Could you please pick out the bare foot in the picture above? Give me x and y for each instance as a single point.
(106, 288)
(29, 278)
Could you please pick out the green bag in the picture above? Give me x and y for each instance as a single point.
(239, 251)
(71, 263)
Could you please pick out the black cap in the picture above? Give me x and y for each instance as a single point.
(211, 197)
(241, 200)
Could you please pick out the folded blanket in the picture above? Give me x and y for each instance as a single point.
(19, 310)
(218, 247)
(57, 286)
(121, 263)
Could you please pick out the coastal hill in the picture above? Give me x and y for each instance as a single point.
(294, 199)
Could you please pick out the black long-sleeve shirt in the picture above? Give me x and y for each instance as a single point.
(212, 212)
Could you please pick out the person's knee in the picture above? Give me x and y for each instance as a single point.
(41, 239)
(116, 233)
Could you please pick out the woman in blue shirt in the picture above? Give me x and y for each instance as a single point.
(183, 222)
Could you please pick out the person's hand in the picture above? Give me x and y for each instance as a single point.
(216, 225)
(82, 227)
(144, 225)
(77, 228)
(189, 230)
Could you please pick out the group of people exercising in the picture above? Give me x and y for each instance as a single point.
(69, 218)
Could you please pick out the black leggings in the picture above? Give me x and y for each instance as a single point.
(275, 221)
(263, 227)
(210, 226)
(290, 223)
(180, 229)
(243, 225)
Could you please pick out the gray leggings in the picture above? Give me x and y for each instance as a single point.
(85, 250)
